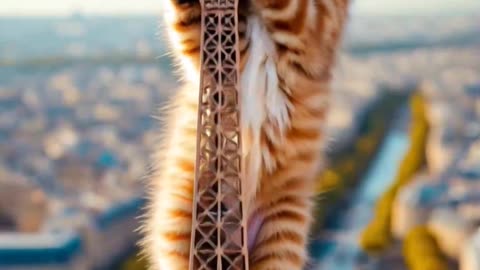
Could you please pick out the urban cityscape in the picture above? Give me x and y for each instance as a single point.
(80, 99)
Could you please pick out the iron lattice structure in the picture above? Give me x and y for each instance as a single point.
(219, 223)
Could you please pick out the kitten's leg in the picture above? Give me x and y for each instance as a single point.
(183, 21)
(305, 33)
(169, 217)
(285, 195)
(282, 239)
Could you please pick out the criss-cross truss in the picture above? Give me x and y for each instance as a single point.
(219, 223)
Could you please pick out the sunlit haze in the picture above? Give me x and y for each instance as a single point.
(65, 7)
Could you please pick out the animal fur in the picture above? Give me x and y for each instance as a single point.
(287, 50)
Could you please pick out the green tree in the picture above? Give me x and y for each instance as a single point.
(421, 251)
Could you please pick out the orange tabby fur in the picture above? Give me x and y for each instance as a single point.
(287, 52)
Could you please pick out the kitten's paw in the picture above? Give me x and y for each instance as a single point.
(186, 3)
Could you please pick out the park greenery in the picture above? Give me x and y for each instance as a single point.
(135, 263)
(377, 235)
(421, 252)
(347, 166)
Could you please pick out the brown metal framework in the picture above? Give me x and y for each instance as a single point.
(219, 240)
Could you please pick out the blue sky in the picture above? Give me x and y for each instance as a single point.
(377, 7)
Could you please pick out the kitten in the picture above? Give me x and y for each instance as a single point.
(287, 50)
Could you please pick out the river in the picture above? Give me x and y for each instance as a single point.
(336, 248)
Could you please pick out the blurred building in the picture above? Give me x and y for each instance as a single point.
(21, 204)
(451, 231)
(413, 205)
(470, 253)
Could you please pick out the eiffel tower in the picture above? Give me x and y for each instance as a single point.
(219, 240)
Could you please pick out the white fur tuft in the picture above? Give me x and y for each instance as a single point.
(261, 101)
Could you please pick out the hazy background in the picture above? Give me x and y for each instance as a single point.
(80, 82)
(110, 7)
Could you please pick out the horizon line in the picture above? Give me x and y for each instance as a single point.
(79, 13)
(159, 13)
(152, 14)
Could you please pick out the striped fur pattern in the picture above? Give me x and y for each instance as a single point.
(287, 51)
